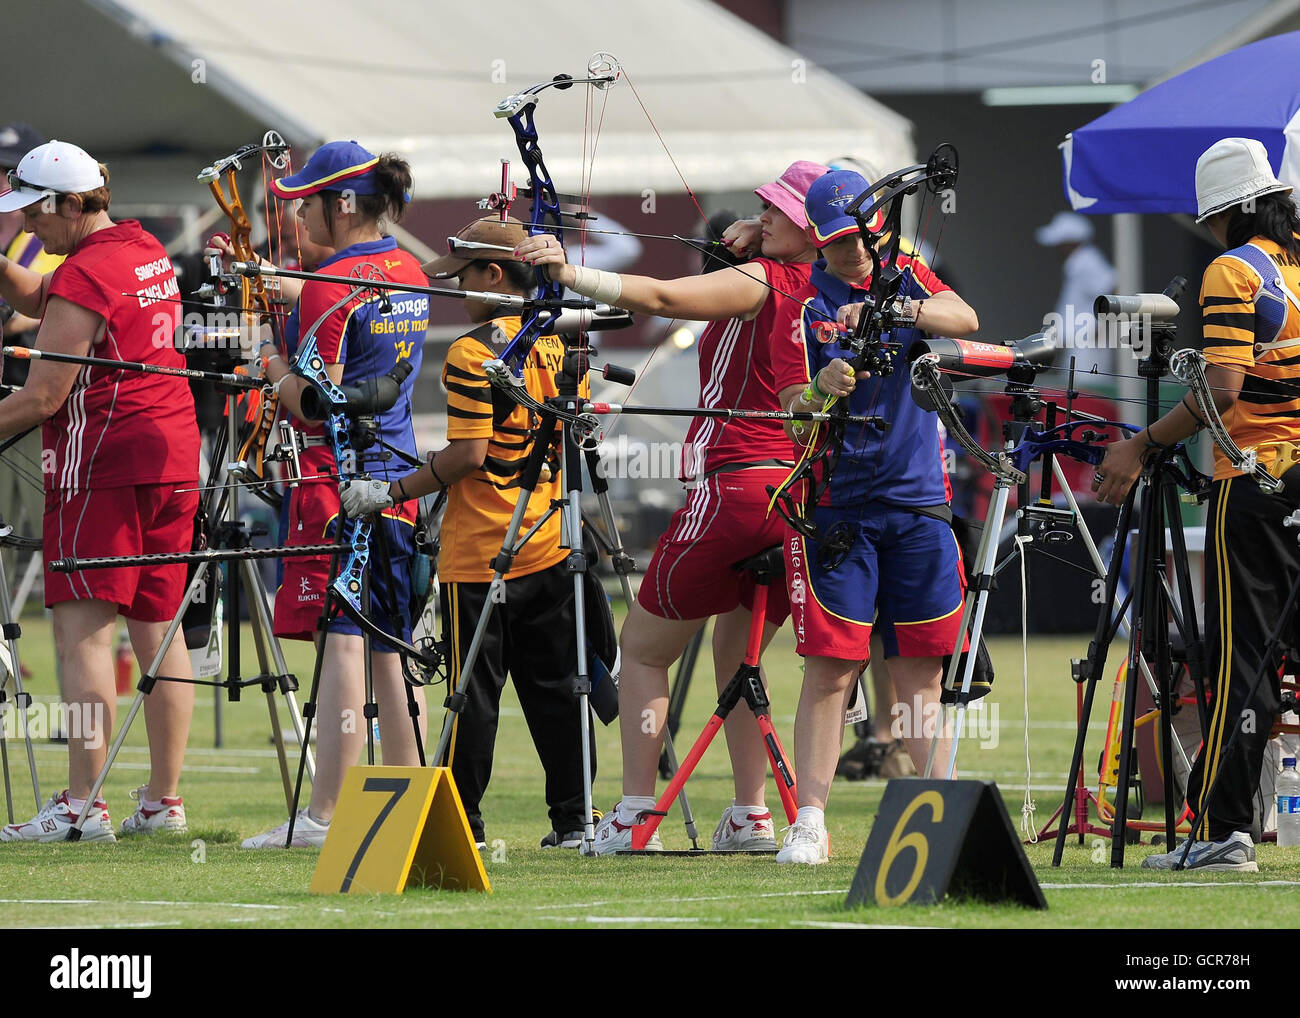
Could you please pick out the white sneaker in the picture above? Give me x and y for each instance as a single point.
(612, 836)
(740, 831)
(307, 833)
(55, 820)
(806, 843)
(169, 819)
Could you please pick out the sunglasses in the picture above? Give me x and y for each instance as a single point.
(457, 246)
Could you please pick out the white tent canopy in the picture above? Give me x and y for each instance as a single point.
(732, 105)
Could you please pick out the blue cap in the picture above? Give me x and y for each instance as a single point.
(828, 196)
(335, 166)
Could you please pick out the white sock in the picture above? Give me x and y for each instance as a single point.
(747, 810)
(811, 815)
(631, 805)
(76, 805)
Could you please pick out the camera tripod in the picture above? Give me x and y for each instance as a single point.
(1155, 603)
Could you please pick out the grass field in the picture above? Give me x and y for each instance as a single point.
(205, 880)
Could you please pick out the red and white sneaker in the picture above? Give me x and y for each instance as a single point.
(612, 835)
(168, 816)
(742, 831)
(55, 820)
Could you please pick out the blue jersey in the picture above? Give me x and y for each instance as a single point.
(367, 340)
(901, 466)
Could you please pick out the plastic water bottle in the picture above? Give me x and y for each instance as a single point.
(1288, 804)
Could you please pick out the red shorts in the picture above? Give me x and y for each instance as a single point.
(724, 521)
(146, 519)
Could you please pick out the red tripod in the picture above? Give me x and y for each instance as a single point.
(746, 684)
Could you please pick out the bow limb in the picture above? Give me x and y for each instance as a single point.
(261, 407)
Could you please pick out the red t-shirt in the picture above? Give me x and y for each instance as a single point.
(740, 363)
(122, 428)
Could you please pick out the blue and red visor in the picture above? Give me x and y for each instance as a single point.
(335, 166)
(828, 196)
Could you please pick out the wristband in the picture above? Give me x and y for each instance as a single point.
(597, 284)
(401, 488)
(816, 389)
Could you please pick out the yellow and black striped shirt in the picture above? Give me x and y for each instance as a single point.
(1241, 326)
(479, 507)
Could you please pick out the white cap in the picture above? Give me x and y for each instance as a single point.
(53, 168)
(1231, 171)
(1065, 228)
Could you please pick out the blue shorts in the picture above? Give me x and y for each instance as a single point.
(301, 596)
(902, 573)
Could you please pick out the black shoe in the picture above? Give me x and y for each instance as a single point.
(571, 839)
(863, 760)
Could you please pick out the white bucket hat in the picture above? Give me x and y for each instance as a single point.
(53, 168)
(1230, 172)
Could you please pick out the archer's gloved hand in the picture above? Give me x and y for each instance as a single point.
(364, 496)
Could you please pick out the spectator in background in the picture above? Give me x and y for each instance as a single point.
(23, 248)
(1084, 274)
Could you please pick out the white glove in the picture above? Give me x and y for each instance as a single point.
(363, 497)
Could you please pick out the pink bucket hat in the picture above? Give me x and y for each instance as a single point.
(788, 191)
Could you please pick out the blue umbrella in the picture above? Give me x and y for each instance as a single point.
(1141, 157)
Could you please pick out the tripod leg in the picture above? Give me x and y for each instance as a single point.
(623, 566)
(21, 699)
(677, 694)
(1096, 659)
(986, 559)
(271, 657)
(4, 762)
(1150, 526)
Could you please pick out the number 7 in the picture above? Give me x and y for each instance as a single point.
(398, 787)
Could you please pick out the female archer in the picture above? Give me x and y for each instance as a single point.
(754, 311)
(117, 446)
(345, 195)
(883, 553)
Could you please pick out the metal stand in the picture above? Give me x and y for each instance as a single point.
(10, 630)
(746, 684)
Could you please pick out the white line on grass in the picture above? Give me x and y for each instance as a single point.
(859, 926)
(677, 901)
(622, 919)
(104, 926)
(127, 765)
(170, 904)
(1173, 883)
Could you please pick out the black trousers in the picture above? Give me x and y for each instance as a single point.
(1251, 563)
(530, 637)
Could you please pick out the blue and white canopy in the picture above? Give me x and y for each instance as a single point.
(1141, 157)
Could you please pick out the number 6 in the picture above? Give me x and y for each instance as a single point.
(898, 843)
